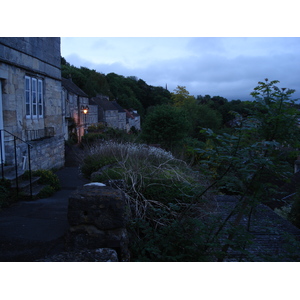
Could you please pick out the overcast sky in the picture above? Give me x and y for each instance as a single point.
(228, 66)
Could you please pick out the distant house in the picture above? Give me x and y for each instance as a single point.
(78, 112)
(110, 113)
(121, 116)
(133, 119)
(31, 108)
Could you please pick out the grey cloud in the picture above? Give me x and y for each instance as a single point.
(216, 66)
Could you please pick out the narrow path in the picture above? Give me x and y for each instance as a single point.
(32, 229)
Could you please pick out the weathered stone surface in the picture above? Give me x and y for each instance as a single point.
(88, 237)
(97, 218)
(39, 58)
(102, 207)
(116, 183)
(97, 255)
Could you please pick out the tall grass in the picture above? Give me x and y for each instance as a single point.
(159, 189)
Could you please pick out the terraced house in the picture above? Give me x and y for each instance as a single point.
(31, 109)
(79, 113)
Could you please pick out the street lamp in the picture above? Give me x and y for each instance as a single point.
(85, 110)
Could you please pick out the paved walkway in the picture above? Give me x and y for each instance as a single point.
(32, 229)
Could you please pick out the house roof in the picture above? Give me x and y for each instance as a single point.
(128, 114)
(69, 85)
(107, 105)
(119, 107)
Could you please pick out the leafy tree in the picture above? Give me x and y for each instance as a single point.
(182, 96)
(248, 162)
(164, 125)
(207, 118)
(277, 115)
(90, 81)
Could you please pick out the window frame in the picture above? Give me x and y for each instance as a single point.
(28, 97)
(34, 97)
(40, 99)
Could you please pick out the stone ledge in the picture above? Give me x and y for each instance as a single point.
(85, 255)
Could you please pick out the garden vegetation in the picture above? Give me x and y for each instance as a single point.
(171, 198)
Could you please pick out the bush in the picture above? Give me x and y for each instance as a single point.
(94, 162)
(169, 191)
(109, 174)
(47, 178)
(178, 241)
(159, 189)
(46, 192)
(91, 138)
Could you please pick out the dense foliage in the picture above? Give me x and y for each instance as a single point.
(130, 92)
(247, 152)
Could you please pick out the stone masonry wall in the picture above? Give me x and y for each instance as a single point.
(45, 154)
(38, 58)
(97, 218)
(39, 53)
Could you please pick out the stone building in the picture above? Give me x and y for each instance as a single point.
(110, 113)
(133, 119)
(79, 113)
(31, 108)
(121, 116)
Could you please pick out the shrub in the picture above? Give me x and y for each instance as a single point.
(91, 138)
(109, 174)
(184, 240)
(47, 178)
(94, 162)
(46, 192)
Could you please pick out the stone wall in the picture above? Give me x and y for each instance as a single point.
(97, 219)
(37, 58)
(48, 153)
(37, 53)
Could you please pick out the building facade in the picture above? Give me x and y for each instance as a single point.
(31, 107)
(78, 112)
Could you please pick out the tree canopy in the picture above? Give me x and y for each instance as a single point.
(130, 92)
(165, 125)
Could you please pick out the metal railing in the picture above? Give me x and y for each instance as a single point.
(37, 134)
(15, 138)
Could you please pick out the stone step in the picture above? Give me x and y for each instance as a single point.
(35, 190)
(23, 184)
(9, 172)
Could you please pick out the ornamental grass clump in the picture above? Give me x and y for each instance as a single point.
(153, 176)
(161, 192)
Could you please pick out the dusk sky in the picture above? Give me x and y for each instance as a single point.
(227, 66)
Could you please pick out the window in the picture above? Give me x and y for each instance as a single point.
(33, 98)
(40, 98)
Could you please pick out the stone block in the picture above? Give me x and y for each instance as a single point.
(97, 219)
(103, 207)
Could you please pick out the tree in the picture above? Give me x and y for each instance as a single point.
(164, 125)
(276, 113)
(182, 96)
(248, 162)
(207, 118)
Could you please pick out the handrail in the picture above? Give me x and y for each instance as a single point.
(16, 162)
(16, 137)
